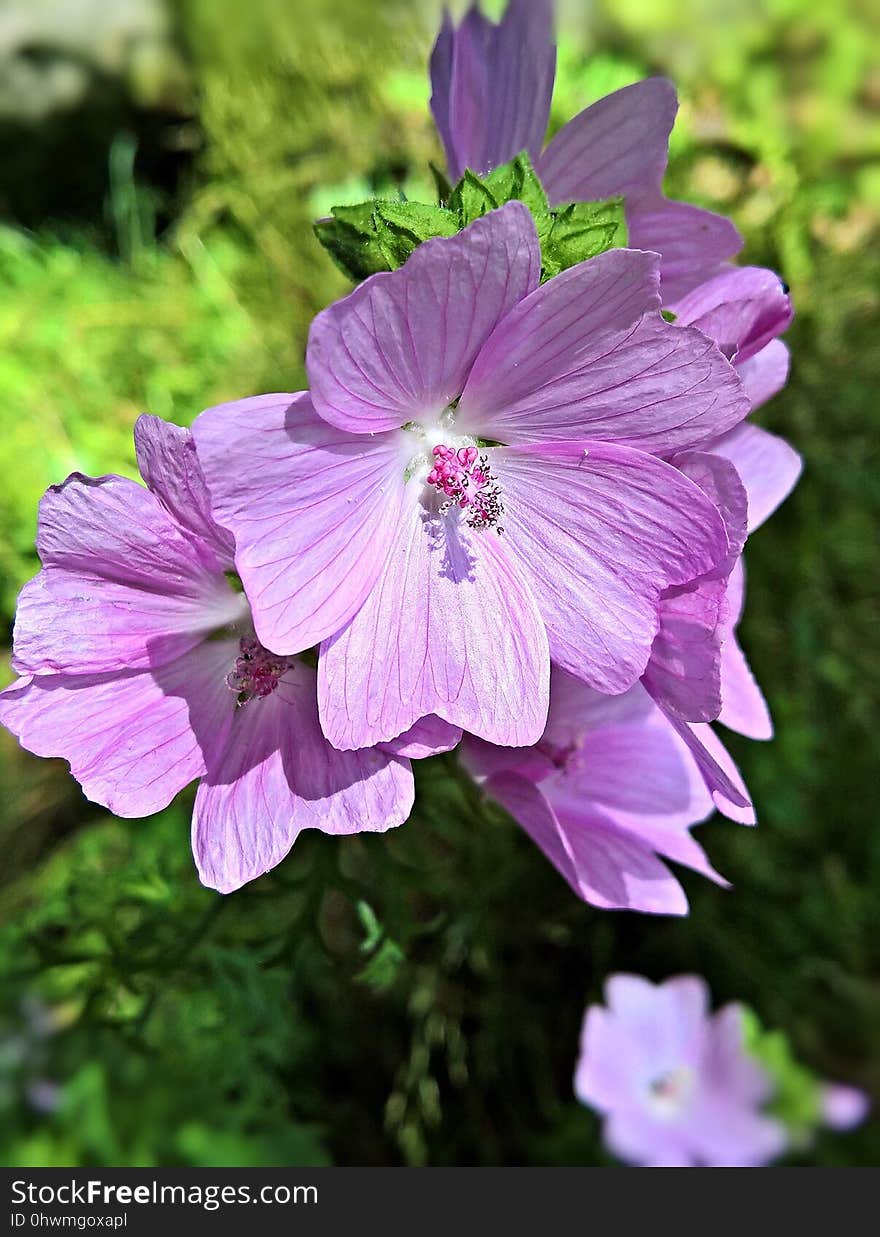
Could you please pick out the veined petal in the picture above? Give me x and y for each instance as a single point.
(693, 241)
(684, 672)
(167, 461)
(768, 467)
(134, 740)
(430, 736)
(743, 707)
(123, 586)
(450, 629)
(599, 532)
(313, 511)
(492, 85)
(765, 374)
(604, 865)
(588, 356)
(276, 776)
(720, 774)
(617, 146)
(400, 347)
(742, 309)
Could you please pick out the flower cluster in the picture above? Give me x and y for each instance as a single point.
(508, 516)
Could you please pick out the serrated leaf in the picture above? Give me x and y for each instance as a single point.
(379, 236)
(402, 226)
(517, 181)
(351, 240)
(471, 199)
(583, 230)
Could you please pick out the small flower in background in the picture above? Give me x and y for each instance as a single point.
(680, 1087)
(492, 89)
(139, 666)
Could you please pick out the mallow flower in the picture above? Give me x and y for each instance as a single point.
(673, 1082)
(608, 793)
(140, 666)
(492, 86)
(475, 484)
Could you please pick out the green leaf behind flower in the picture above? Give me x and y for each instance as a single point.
(380, 236)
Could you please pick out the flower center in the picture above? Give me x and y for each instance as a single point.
(256, 672)
(464, 478)
(668, 1093)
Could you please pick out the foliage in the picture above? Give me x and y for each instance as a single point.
(416, 997)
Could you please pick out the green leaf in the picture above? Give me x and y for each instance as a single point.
(471, 199)
(350, 239)
(583, 230)
(796, 1099)
(402, 226)
(516, 181)
(379, 236)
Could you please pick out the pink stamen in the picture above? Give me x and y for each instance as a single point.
(464, 478)
(256, 672)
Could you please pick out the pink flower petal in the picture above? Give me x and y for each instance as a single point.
(492, 85)
(600, 531)
(428, 737)
(616, 146)
(765, 374)
(400, 347)
(588, 356)
(313, 511)
(132, 741)
(167, 460)
(768, 467)
(277, 776)
(743, 308)
(694, 242)
(449, 629)
(123, 586)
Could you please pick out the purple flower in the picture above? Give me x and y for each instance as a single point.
(674, 1084)
(140, 667)
(440, 570)
(492, 89)
(608, 793)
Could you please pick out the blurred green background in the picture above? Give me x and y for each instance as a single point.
(413, 998)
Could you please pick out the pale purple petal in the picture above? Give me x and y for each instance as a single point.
(729, 1066)
(719, 772)
(449, 629)
(600, 531)
(684, 672)
(276, 776)
(132, 741)
(768, 467)
(668, 1020)
(167, 460)
(492, 85)
(428, 737)
(743, 707)
(694, 242)
(764, 375)
(616, 146)
(724, 1133)
(604, 865)
(313, 511)
(124, 587)
(742, 309)
(645, 1142)
(587, 355)
(400, 347)
(843, 1108)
